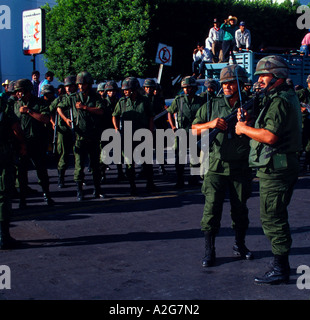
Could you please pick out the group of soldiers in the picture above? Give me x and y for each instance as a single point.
(261, 131)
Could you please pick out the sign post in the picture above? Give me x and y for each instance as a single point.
(33, 33)
(163, 57)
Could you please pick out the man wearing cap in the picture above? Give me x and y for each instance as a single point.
(229, 26)
(5, 94)
(215, 37)
(184, 107)
(276, 141)
(228, 166)
(243, 37)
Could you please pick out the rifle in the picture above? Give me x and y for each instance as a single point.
(55, 133)
(232, 116)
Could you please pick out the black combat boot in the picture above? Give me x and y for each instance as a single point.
(279, 273)
(61, 178)
(79, 190)
(6, 241)
(239, 247)
(120, 173)
(180, 176)
(209, 258)
(97, 191)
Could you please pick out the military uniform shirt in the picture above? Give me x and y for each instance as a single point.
(228, 151)
(186, 110)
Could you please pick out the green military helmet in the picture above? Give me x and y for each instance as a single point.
(47, 88)
(68, 81)
(23, 84)
(149, 83)
(275, 65)
(211, 83)
(101, 86)
(11, 87)
(130, 83)
(111, 85)
(84, 77)
(188, 81)
(233, 72)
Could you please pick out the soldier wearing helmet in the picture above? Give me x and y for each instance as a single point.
(184, 108)
(158, 105)
(304, 97)
(228, 166)
(64, 143)
(211, 91)
(33, 114)
(276, 141)
(9, 126)
(111, 93)
(137, 109)
(87, 112)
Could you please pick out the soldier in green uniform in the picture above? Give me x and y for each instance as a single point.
(65, 134)
(137, 109)
(111, 91)
(304, 97)
(9, 126)
(185, 107)
(158, 105)
(87, 111)
(276, 141)
(228, 166)
(34, 116)
(211, 91)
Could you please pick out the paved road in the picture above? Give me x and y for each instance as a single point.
(144, 248)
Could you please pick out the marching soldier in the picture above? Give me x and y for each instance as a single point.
(87, 111)
(185, 107)
(211, 91)
(65, 134)
(9, 125)
(34, 116)
(276, 141)
(137, 109)
(111, 92)
(228, 166)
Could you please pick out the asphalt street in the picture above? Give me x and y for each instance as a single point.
(124, 248)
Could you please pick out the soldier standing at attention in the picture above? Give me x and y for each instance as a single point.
(65, 134)
(137, 109)
(185, 106)
(87, 111)
(9, 125)
(276, 141)
(34, 116)
(228, 166)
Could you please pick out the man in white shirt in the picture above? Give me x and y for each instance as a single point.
(201, 56)
(215, 37)
(243, 38)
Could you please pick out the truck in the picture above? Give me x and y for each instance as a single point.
(299, 66)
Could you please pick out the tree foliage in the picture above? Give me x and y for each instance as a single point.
(106, 38)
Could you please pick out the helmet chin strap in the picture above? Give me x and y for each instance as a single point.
(270, 84)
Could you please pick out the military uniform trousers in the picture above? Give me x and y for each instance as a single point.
(6, 185)
(275, 196)
(64, 148)
(36, 153)
(214, 189)
(87, 147)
